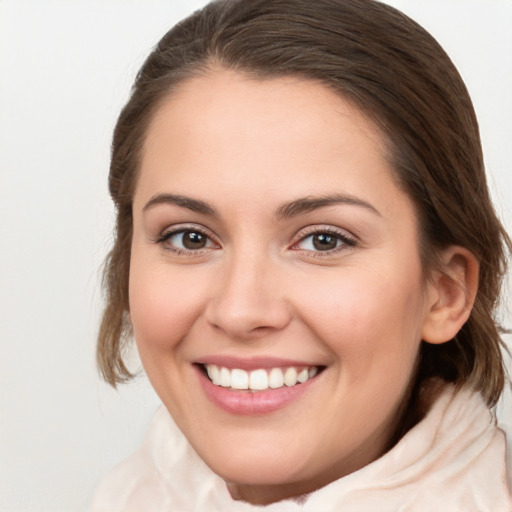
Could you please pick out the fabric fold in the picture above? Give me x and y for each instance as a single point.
(453, 460)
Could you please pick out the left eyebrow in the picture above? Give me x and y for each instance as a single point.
(310, 203)
(183, 201)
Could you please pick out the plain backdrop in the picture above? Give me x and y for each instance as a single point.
(66, 67)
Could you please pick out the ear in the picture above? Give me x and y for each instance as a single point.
(451, 294)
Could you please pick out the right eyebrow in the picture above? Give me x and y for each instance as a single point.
(310, 203)
(183, 201)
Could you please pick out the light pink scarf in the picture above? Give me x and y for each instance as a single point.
(452, 461)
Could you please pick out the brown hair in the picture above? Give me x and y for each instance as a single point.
(400, 77)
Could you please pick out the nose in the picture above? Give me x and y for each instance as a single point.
(248, 301)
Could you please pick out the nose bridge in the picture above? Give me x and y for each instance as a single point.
(247, 299)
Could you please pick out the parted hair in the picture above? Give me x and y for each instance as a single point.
(399, 77)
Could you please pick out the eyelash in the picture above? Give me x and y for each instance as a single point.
(346, 241)
(164, 238)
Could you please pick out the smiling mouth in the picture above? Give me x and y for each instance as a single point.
(260, 379)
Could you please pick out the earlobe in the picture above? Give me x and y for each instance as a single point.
(451, 295)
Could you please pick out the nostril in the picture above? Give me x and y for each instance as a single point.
(262, 329)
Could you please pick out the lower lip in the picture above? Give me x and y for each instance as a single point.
(252, 403)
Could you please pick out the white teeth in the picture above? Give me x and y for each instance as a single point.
(303, 376)
(290, 377)
(214, 374)
(239, 379)
(225, 378)
(258, 380)
(276, 378)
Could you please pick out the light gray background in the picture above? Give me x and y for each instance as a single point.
(65, 71)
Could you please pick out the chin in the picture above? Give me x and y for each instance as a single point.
(258, 464)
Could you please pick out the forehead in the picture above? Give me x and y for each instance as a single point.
(282, 136)
(222, 97)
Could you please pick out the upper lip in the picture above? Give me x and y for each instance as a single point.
(253, 363)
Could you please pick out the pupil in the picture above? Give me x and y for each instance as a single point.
(324, 242)
(193, 240)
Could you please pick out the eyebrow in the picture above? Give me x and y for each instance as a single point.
(185, 202)
(286, 210)
(310, 203)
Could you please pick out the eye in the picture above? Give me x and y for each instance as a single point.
(324, 240)
(320, 242)
(186, 240)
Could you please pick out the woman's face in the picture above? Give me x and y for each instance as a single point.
(273, 249)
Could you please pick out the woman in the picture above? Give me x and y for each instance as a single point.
(309, 261)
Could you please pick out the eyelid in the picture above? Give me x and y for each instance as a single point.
(347, 238)
(176, 229)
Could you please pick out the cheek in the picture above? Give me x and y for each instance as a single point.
(163, 305)
(367, 320)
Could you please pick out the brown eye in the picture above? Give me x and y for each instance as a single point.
(187, 240)
(324, 241)
(193, 240)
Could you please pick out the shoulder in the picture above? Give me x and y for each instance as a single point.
(163, 474)
(137, 483)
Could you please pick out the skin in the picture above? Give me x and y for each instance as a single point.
(259, 287)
